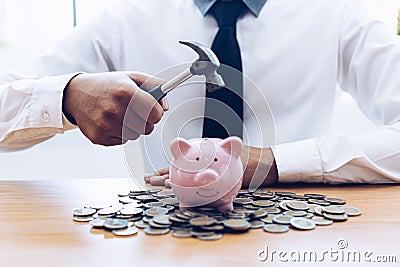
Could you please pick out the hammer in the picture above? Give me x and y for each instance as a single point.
(207, 65)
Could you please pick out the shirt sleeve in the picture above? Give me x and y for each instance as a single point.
(368, 67)
(31, 97)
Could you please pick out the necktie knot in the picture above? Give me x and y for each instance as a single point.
(227, 12)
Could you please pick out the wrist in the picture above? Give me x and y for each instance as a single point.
(67, 100)
(259, 167)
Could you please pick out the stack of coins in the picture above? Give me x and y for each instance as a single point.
(157, 212)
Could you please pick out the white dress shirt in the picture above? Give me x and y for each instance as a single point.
(295, 51)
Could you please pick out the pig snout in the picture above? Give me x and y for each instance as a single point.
(206, 177)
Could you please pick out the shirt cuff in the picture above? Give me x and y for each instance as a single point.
(299, 161)
(46, 107)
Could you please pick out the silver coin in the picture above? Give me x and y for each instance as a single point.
(242, 200)
(98, 205)
(283, 204)
(114, 224)
(321, 220)
(198, 233)
(282, 219)
(336, 217)
(259, 214)
(167, 193)
(108, 211)
(297, 205)
(318, 210)
(141, 224)
(352, 211)
(267, 219)
(127, 200)
(217, 227)
(256, 224)
(276, 228)
(156, 225)
(309, 215)
(202, 221)
(302, 223)
(273, 210)
(213, 237)
(334, 210)
(263, 203)
(335, 201)
(162, 219)
(170, 201)
(154, 211)
(182, 233)
(315, 196)
(131, 211)
(237, 224)
(320, 202)
(97, 223)
(295, 213)
(126, 232)
(311, 207)
(82, 218)
(156, 231)
(154, 204)
(146, 198)
(84, 212)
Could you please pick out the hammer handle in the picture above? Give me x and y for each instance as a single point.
(157, 93)
(161, 91)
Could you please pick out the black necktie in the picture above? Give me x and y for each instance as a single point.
(223, 114)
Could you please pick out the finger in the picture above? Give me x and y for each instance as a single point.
(164, 104)
(157, 181)
(167, 183)
(145, 81)
(128, 134)
(162, 172)
(146, 107)
(137, 124)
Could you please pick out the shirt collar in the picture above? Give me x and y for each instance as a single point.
(254, 6)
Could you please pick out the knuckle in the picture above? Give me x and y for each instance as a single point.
(123, 94)
(110, 110)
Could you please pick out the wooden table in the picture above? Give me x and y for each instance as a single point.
(36, 229)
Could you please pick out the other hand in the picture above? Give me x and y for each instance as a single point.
(258, 165)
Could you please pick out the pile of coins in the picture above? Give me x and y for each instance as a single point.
(157, 212)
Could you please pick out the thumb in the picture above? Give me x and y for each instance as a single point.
(147, 82)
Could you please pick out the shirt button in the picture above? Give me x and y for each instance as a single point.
(46, 117)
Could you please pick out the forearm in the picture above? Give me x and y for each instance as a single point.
(371, 157)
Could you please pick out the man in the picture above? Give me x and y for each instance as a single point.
(295, 51)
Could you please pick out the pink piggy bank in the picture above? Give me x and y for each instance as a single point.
(206, 172)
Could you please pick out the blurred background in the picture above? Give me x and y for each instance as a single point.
(29, 27)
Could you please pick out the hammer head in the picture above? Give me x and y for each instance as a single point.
(207, 65)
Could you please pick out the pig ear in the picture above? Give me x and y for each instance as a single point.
(232, 145)
(179, 147)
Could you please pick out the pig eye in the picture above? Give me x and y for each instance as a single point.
(197, 158)
(215, 159)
